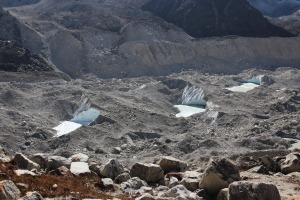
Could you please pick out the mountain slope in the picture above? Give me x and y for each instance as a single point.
(12, 3)
(215, 18)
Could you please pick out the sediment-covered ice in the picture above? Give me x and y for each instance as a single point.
(66, 127)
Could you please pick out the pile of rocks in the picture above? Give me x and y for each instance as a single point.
(167, 178)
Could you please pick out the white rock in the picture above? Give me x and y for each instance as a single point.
(80, 168)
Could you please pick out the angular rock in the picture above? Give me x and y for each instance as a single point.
(106, 184)
(20, 172)
(39, 159)
(95, 167)
(80, 168)
(171, 182)
(291, 163)
(9, 191)
(270, 164)
(147, 172)
(133, 184)
(61, 171)
(111, 169)
(55, 162)
(246, 162)
(265, 80)
(146, 197)
(191, 180)
(80, 157)
(24, 163)
(218, 175)
(181, 193)
(32, 196)
(3, 155)
(223, 194)
(122, 178)
(253, 191)
(260, 170)
(169, 164)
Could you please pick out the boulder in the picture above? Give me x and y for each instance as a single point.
(24, 163)
(95, 167)
(260, 170)
(270, 164)
(55, 162)
(111, 169)
(253, 191)
(223, 194)
(80, 168)
(9, 191)
(171, 182)
(20, 172)
(179, 192)
(122, 178)
(147, 172)
(265, 80)
(32, 196)
(106, 184)
(146, 197)
(3, 155)
(169, 164)
(133, 184)
(61, 171)
(245, 162)
(291, 163)
(80, 157)
(39, 159)
(191, 180)
(218, 175)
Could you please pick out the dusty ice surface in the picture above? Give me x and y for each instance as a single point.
(243, 88)
(187, 111)
(66, 127)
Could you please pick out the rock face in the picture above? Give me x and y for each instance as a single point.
(147, 172)
(9, 191)
(169, 164)
(291, 163)
(215, 18)
(251, 191)
(111, 169)
(218, 175)
(276, 8)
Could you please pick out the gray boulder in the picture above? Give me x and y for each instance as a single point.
(253, 191)
(179, 192)
(111, 169)
(169, 164)
(270, 164)
(80, 157)
(39, 159)
(32, 196)
(223, 194)
(21, 172)
(147, 172)
(260, 170)
(55, 162)
(80, 169)
(291, 163)
(218, 175)
(191, 180)
(9, 191)
(133, 184)
(3, 155)
(24, 163)
(122, 178)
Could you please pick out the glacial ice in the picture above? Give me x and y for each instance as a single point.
(245, 87)
(187, 111)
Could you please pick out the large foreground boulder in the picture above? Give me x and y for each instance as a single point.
(147, 172)
(168, 164)
(111, 169)
(24, 163)
(218, 175)
(9, 191)
(291, 163)
(253, 191)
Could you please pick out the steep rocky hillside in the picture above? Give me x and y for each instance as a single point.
(276, 8)
(289, 22)
(12, 3)
(215, 18)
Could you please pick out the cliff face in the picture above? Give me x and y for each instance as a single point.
(12, 3)
(215, 17)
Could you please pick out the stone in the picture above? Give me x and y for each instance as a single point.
(3, 155)
(146, 197)
(253, 191)
(61, 171)
(169, 164)
(147, 172)
(171, 182)
(22, 186)
(32, 196)
(246, 162)
(265, 80)
(95, 167)
(223, 194)
(55, 162)
(260, 170)
(181, 193)
(117, 150)
(111, 169)
(80, 168)
(191, 180)
(291, 163)
(133, 184)
(218, 175)
(122, 178)
(9, 191)
(24, 163)
(80, 157)
(20, 172)
(39, 159)
(107, 184)
(270, 164)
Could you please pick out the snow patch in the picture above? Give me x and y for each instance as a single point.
(245, 87)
